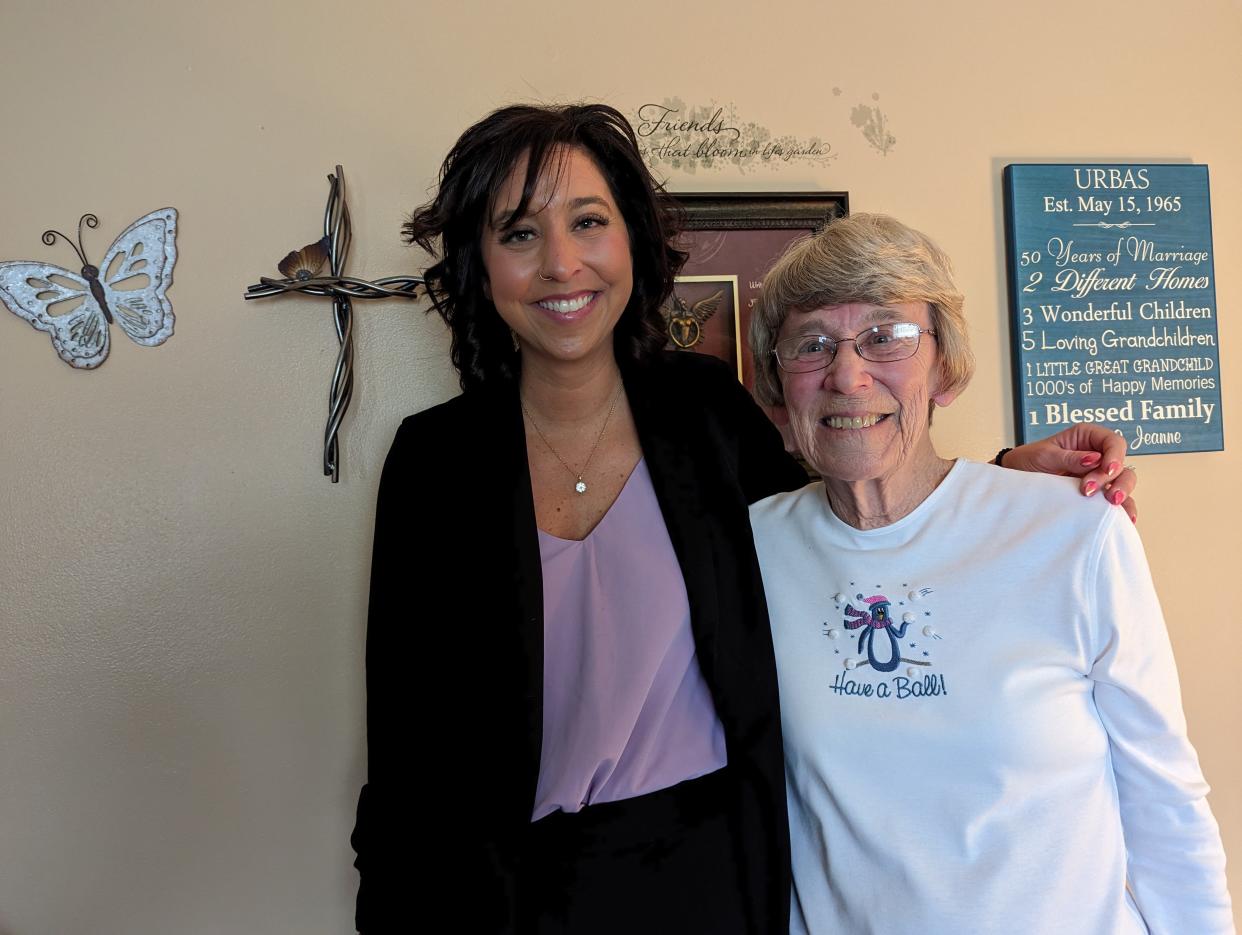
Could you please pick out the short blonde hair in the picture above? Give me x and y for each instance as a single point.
(868, 258)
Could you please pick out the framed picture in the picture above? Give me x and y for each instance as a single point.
(1112, 303)
(706, 317)
(733, 239)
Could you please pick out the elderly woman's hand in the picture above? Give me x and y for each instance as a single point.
(1092, 453)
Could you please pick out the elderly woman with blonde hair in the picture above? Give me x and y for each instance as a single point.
(981, 715)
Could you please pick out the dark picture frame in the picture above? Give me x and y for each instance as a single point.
(737, 236)
(706, 317)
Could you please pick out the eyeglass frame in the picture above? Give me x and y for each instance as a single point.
(834, 343)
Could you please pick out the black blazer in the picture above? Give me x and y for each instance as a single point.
(455, 640)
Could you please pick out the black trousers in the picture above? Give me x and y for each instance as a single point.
(659, 864)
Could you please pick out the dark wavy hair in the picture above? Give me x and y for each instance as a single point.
(452, 224)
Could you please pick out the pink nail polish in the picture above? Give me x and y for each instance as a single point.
(1090, 459)
(1112, 468)
(1117, 497)
(1134, 519)
(1089, 488)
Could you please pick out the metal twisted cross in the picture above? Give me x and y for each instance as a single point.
(301, 269)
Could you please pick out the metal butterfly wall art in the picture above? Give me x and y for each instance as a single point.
(128, 288)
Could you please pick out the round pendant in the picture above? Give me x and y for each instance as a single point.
(580, 486)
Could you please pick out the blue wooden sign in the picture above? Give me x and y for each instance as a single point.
(1113, 303)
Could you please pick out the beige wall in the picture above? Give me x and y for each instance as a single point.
(182, 595)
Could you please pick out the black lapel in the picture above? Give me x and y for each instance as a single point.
(672, 449)
(511, 514)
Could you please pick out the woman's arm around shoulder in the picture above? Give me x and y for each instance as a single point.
(1092, 453)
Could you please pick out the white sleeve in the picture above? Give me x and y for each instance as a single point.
(1175, 861)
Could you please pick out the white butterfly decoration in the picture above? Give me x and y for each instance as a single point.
(128, 288)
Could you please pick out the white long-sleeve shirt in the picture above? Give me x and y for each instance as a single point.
(982, 721)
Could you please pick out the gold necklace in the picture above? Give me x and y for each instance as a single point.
(579, 484)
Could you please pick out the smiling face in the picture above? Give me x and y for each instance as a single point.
(561, 276)
(858, 420)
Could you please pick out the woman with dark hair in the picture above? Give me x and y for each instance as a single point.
(572, 718)
(537, 139)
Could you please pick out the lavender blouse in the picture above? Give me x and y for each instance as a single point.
(625, 707)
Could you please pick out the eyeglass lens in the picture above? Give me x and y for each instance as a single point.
(881, 343)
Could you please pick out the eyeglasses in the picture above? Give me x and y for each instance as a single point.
(881, 344)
